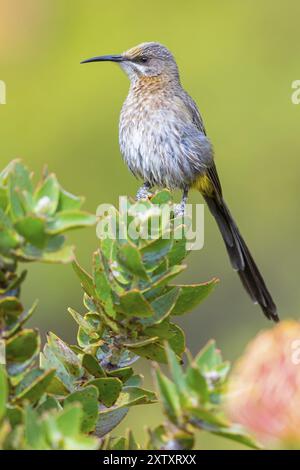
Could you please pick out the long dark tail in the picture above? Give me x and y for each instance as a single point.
(241, 258)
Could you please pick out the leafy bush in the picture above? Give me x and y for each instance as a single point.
(73, 396)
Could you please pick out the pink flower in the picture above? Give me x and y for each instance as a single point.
(264, 387)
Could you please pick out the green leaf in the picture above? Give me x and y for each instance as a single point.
(31, 253)
(34, 390)
(3, 198)
(119, 444)
(68, 201)
(133, 304)
(69, 420)
(238, 434)
(10, 306)
(47, 195)
(176, 373)
(162, 197)
(154, 252)
(209, 357)
(178, 252)
(3, 391)
(88, 398)
(63, 380)
(21, 349)
(197, 383)
(163, 279)
(190, 296)
(131, 396)
(19, 186)
(152, 352)
(68, 220)
(169, 397)
(34, 436)
(15, 415)
(57, 386)
(108, 420)
(49, 404)
(109, 389)
(131, 443)
(65, 354)
(86, 326)
(92, 366)
(85, 279)
(177, 340)
(130, 257)
(102, 285)
(32, 228)
(163, 307)
(123, 374)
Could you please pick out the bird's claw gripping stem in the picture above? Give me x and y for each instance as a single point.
(144, 192)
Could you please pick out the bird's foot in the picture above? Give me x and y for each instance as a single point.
(179, 210)
(143, 193)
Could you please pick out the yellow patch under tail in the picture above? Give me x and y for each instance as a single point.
(204, 185)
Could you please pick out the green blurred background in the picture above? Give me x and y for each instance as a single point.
(238, 60)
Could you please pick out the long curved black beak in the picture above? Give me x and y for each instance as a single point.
(104, 58)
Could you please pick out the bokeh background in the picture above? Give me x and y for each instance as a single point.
(238, 60)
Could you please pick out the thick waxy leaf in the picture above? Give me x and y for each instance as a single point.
(68, 220)
(190, 296)
(238, 434)
(130, 257)
(21, 349)
(109, 420)
(17, 321)
(84, 340)
(3, 198)
(154, 252)
(31, 253)
(131, 396)
(47, 195)
(58, 388)
(162, 197)
(65, 354)
(63, 381)
(103, 289)
(133, 304)
(177, 374)
(197, 383)
(88, 398)
(85, 279)
(34, 385)
(68, 201)
(163, 307)
(169, 396)
(85, 325)
(92, 366)
(109, 389)
(123, 374)
(15, 414)
(209, 357)
(32, 228)
(10, 306)
(3, 391)
(163, 279)
(153, 352)
(19, 187)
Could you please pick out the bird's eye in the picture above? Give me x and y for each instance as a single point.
(143, 59)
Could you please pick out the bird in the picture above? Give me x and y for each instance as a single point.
(164, 143)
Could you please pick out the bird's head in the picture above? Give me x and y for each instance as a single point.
(149, 59)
